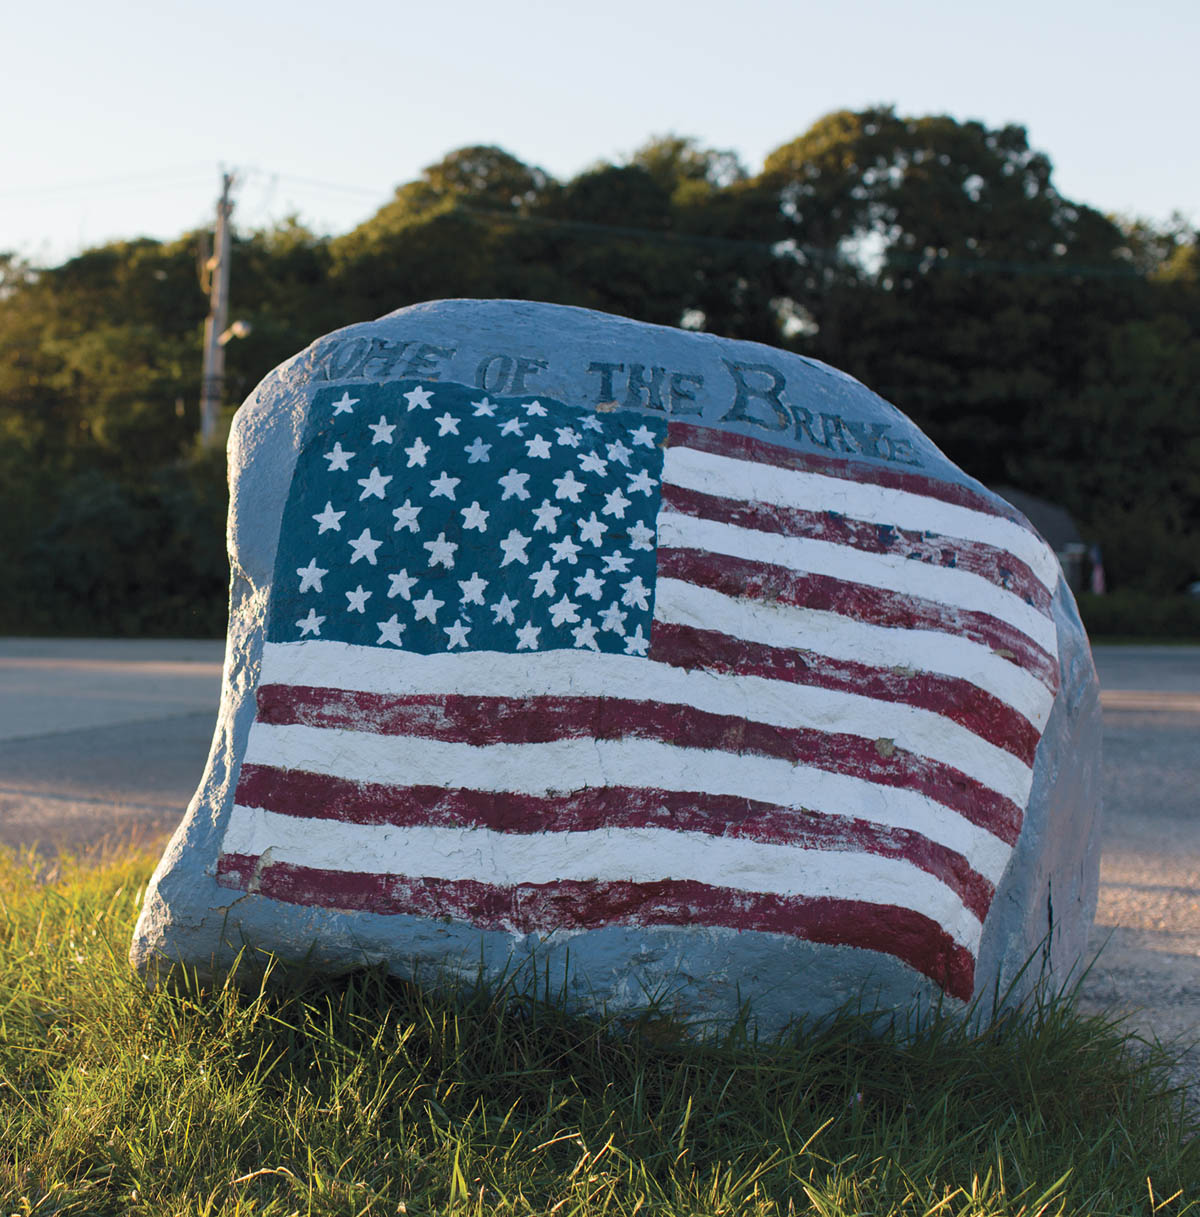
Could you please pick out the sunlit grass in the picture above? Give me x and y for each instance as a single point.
(370, 1096)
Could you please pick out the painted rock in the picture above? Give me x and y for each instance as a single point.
(670, 666)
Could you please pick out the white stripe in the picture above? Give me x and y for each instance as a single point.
(947, 585)
(639, 855)
(586, 674)
(732, 478)
(831, 634)
(562, 766)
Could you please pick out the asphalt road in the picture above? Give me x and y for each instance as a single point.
(1147, 931)
(104, 741)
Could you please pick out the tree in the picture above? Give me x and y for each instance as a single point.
(481, 177)
(1122, 453)
(942, 267)
(685, 169)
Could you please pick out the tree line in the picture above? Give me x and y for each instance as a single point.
(1039, 343)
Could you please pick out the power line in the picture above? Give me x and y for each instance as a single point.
(152, 180)
(317, 184)
(895, 260)
(362, 191)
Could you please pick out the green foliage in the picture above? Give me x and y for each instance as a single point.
(1130, 434)
(1142, 615)
(368, 1095)
(102, 556)
(1040, 344)
(685, 170)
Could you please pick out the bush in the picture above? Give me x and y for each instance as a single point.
(102, 556)
(1141, 615)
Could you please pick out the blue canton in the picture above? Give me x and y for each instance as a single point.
(430, 517)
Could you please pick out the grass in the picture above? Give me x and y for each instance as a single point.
(367, 1095)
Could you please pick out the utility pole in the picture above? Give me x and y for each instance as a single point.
(218, 313)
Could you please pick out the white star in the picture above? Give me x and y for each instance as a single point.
(344, 405)
(311, 624)
(514, 483)
(543, 580)
(418, 397)
(588, 585)
(447, 424)
(534, 409)
(615, 504)
(636, 643)
(567, 487)
(441, 551)
(538, 447)
(527, 637)
(589, 462)
(593, 529)
(374, 484)
(568, 436)
(478, 451)
(390, 631)
(613, 619)
(563, 611)
(457, 633)
(472, 589)
(565, 550)
(503, 608)
(592, 423)
(426, 608)
(484, 408)
(443, 486)
(514, 548)
(636, 593)
(514, 426)
(641, 537)
(644, 436)
(641, 481)
(311, 576)
(337, 457)
(417, 453)
(616, 561)
(328, 519)
(618, 452)
(475, 517)
(406, 517)
(383, 430)
(402, 585)
(364, 547)
(358, 600)
(585, 635)
(546, 517)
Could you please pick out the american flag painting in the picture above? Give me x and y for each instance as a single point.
(532, 668)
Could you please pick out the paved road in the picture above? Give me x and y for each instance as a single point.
(106, 740)
(103, 739)
(1148, 919)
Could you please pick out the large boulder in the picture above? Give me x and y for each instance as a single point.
(670, 667)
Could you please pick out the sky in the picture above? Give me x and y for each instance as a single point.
(119, 117)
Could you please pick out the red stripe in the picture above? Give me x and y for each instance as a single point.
(499, 720)
(979, 712)
(848, 468)
(997, 566)
(744, 579)
(683, 646)
(527, 908)
(321, 797)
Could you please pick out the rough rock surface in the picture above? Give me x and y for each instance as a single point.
(669, 666)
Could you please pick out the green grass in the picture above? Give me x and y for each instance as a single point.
(369, 1096)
